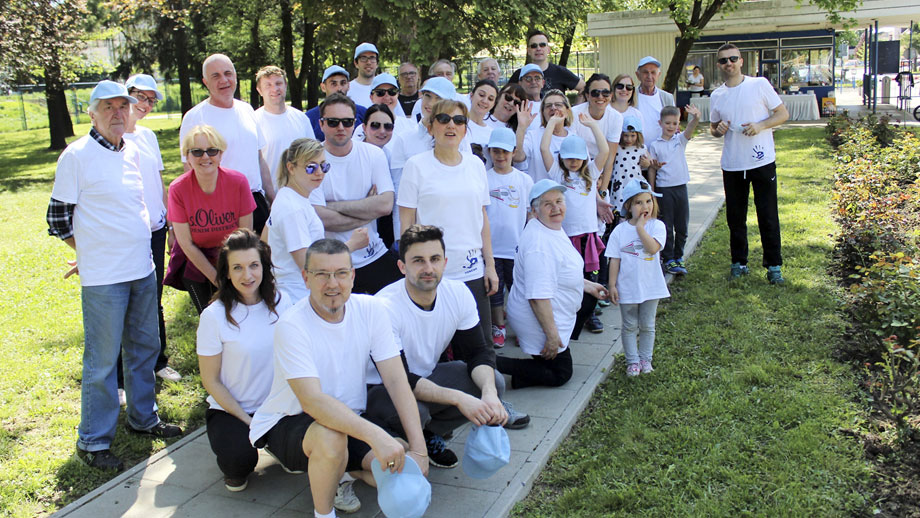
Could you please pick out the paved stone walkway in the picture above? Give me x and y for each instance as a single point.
(183, 480)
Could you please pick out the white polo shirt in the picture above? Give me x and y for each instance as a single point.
(673, 153)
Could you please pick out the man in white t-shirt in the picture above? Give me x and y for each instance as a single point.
(312, 419)
(366, 59)
(744, 110)
(235, 121)
(280, 124)
(649, 98)
(97, 207)
(356, 191)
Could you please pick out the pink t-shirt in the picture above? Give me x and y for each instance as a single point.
(211, 217)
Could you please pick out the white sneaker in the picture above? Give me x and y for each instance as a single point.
(169, 374)
(122, 399)
(345, 498)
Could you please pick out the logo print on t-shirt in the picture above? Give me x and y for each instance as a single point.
(507, 194)
(472, 259)
(759, 153)
(636, 249)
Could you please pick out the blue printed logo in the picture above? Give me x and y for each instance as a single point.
(472, 259)
(759, 153)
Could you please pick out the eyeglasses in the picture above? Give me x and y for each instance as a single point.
(141, 98)
(532, 78)
(444, 118)
(380, 92)
(624, 86)
(555, 106)
(733, 59)
(376, 125)
(324, 167)
(324, 276)
(600, 93)
(538, 45)
(410, 73)
(367, 59)
(334, 123)
(198, 152)
(512, 99)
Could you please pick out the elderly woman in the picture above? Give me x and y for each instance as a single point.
(547, 292)
(205, 205)
(554, 103)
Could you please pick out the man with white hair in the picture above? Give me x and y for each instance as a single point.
(97, 207)
(650, 98)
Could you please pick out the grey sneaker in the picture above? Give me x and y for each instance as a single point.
(169, 374)
(516, 420)
(738, 270)
(775, 275)
(345, 498)
(645, 366)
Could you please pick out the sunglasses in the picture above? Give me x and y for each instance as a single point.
(376, 125)
(624, 86)
(599, 93)
(334, 123)
(324, 167)
(733, 59)
(380, 92)
(555, 106)
(538, 45)
(444, 118)
(198, 152)
(512, 99)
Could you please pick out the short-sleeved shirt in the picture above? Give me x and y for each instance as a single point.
(751, 101)
(554, 77)
(292, 225)
(534, 165)
(611, 126)
(450, 197)
(650, 106)
(640, 277)
(306, 346)
(546, 266)
(673, 153)
(210, 217)
(151, 165)
(508, 210)
(360, 94)
(580, 199)
(280, 131)
(625, 168)
(237, 125)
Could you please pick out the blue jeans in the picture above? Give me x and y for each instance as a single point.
(638, 320)
(120, 316)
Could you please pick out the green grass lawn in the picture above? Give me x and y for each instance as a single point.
(745, 411)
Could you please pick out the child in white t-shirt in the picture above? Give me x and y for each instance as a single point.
(636, 279)
(509, 189)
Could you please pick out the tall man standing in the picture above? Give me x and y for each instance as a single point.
(744, 110)
(366, 57)
(650, 98)
(236, 122)
(554, 76)
(335, 80)
(97, 207)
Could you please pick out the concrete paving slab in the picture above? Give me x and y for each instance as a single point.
(460, 501)
(136, 497)
(207, 504)
(192, 469)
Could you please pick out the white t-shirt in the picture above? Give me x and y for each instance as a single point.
(360, 94)
(111, 226)
(546, 266)
(640, 277)
(751, 101)
(238, 127)
(673, 153)
(632, 111)
(533, 165)
(350, 177)
(292, 225)
(306, 346)
(151, 164)
(611, 126)
(696, 82)
(650, 106)
(450, 197)
(479, 134)
(580, 199)
(508, 210)
(424, 335)
(279, 132)
(245, 350)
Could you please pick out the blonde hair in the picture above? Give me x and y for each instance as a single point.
(446, 106)
(268, 71)
(210, 133)
(632, 99)
(568, 105)
(628, 205)
(300, 149)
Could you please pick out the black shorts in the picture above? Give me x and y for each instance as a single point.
(285, 441)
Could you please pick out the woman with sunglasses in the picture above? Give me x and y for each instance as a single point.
(554, 103)
(385, 91)
(482, 100)
(378, 128)
(205, 205)
(610, 121)
(448, 188)
(624, 97)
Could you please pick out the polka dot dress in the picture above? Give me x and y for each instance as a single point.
(625, 168)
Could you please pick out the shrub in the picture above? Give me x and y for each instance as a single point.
(886, 295)
(894, 384)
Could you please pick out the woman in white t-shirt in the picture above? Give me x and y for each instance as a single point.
(482, 100)
(379, 129)
(447, 188)
(234, 347)
(294, 225)
(695, 81)
(624, 97)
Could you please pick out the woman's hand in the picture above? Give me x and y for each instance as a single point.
(491, 280)
(555, 120)
(524, 114)
(587, 120)
(551, 347)
(596, 290)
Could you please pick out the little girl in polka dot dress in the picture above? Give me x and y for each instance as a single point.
(631, 162)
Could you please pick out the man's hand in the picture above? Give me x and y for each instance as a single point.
(74, 269)
(496, 409)
(749, 129)
(358, 239)
(474, 409)
(390, 453)
(596, 290)
(721, 128)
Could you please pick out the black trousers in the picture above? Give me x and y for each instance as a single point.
(674, 212)
(537, 371)
(737, 185)
(229, 438)
(260, 215)
(483, 306)
(375, 276)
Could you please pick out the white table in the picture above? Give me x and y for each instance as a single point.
(802, 107)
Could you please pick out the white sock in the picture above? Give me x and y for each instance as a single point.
(330, 515)
(346, 478)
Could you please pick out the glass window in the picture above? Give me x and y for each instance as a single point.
(812, 41)
(707, 64)
(706, 46)
(770, 54)
(755, 44)
(807, 67)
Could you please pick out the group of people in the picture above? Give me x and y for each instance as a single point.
(350, 264)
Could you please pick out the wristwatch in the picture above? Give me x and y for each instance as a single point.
(603, 193)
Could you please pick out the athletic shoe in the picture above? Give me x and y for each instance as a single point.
(775, 275)
(169, 374)
(682, 263)
(102, 459)
(498, 336)
(285, 468)
(235, 484)
(633, 370)
(603, 303)
(645, 366)
(516, 420)
(594, 325)
(598, 310)
(345, 498)
(674, 268)
(161, 430)
(438, 452)
(122, 399)
(738, 270)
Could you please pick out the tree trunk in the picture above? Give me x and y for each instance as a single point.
(676, 66)
(369, 29)
(287, 53)
(180, 39)
(566, 46)
(308, 73)
(59, 124)
(255, 57)
(64, 120)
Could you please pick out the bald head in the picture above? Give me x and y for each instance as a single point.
(219, 76)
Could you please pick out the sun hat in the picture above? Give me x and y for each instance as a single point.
(333, 70)
(632, 123)
(384, 79)
(573, 146)
(365, 47)
(110, 90)
(402, 495)
(440, 86)
(542, 187)
(528, 68)
(487, 451)
(503, 138)
(634, 187)
(143, 82)
(646, 60)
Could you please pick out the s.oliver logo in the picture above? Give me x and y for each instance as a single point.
(212, 218)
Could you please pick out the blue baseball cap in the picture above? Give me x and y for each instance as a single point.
(440, 86)
(333, 70)
(544, 186)
(384, 79)
(632, 123)
(110, 90)
(143, 82)
(574, 146)
(403, 495)
(646, 60)
(487, 451)
(365, 47)
(634, 187)
(528, 68)
(503, 138)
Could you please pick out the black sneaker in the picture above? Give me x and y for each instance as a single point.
(516, 420)
(594, 325)
(438, 452)
(161, 430)
(102, 459)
